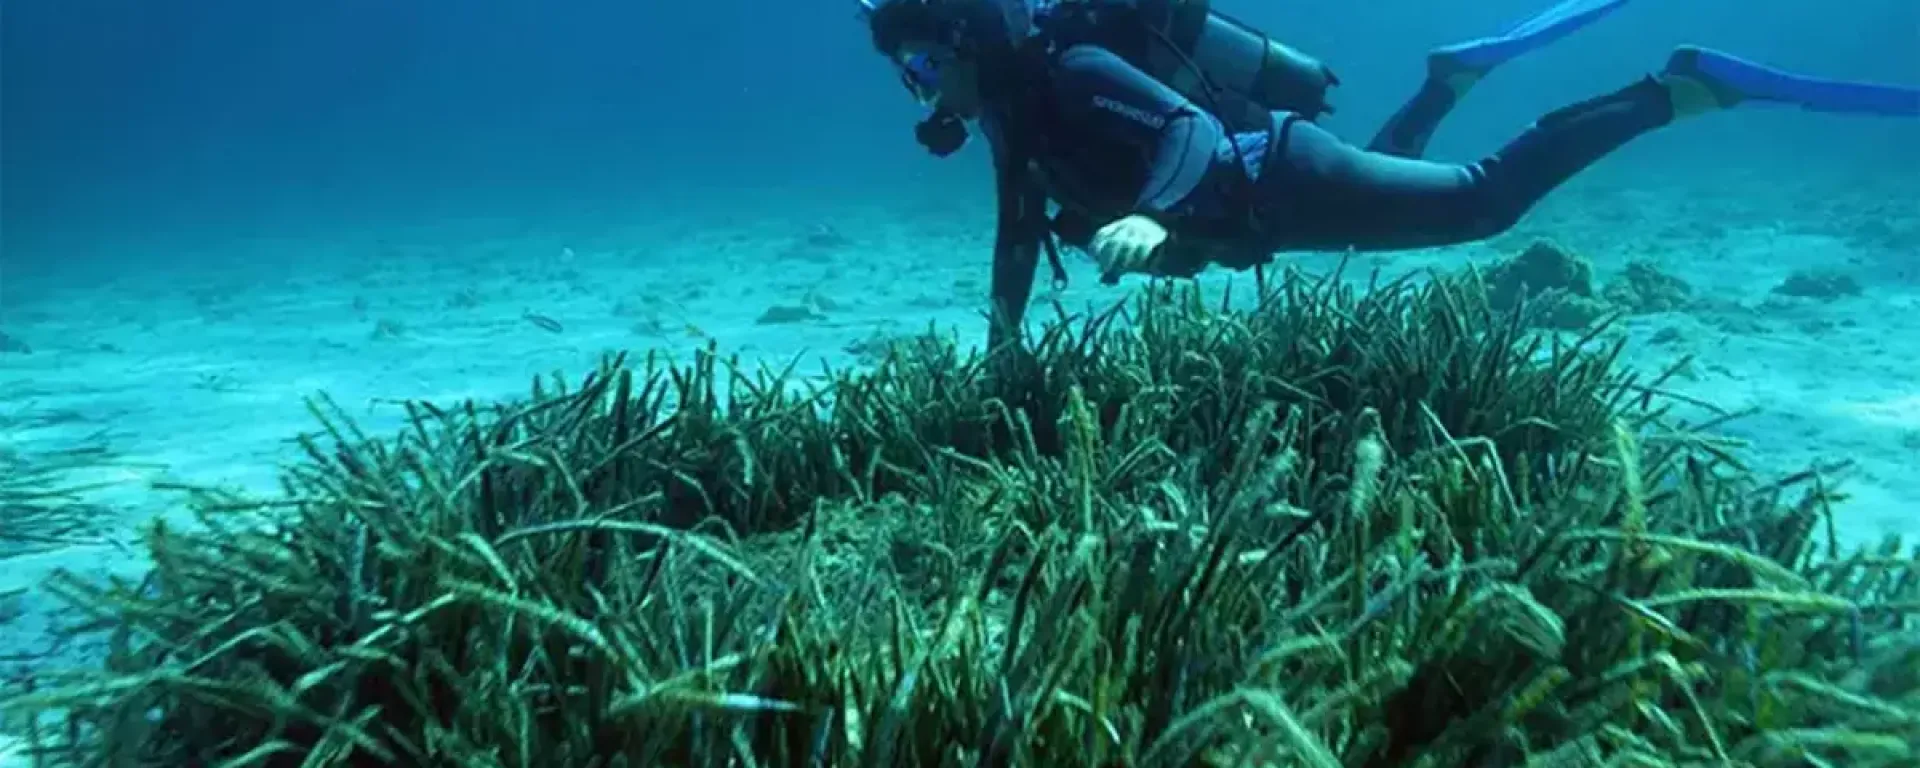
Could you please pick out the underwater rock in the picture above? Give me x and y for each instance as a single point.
(1556, 282)
(12, 344)
(1560, 287)
(1825, 285)
(1544, 265)
(1569, 312)
(464, 298)
(1644, 289)
(825, 237)
(1668, 336)
(387, 329)
(782, 314)
(820, 245)
(820, 302)
(876, 346)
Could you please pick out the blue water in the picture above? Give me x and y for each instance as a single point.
(193, 121)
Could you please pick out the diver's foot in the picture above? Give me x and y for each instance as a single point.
(1460, 65)
(1703, 80)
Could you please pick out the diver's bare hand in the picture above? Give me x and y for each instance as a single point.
(1126, 245)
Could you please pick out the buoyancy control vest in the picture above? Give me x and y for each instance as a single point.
(1237, 72)
(1230, 69)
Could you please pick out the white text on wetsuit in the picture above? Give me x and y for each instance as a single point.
(1131, 112)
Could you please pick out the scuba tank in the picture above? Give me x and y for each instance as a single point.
(1233, 70)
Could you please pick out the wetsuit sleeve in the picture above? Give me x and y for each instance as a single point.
(1021, 212)
(1176, 136)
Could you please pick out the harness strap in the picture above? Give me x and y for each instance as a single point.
(1053, 256)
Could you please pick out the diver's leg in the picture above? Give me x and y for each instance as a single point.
(1322, 194)
(1452, 70)
(1319, 193)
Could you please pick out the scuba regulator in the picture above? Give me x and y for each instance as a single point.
(942, 133)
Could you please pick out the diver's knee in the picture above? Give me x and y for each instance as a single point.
(1494, 215)
(1485, 225)
(1492, 209)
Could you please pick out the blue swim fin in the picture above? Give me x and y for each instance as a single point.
(1720, 80)
(1477, 57)
(1452, 71)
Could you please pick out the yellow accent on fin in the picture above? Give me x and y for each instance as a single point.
(1462, 81)
(1691, 96)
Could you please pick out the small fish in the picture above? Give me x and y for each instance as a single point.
(545, 323)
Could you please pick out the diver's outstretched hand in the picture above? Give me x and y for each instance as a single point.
(1127, 245)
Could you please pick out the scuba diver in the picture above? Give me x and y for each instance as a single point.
(1171, 137)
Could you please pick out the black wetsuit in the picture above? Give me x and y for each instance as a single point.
(1104, 140)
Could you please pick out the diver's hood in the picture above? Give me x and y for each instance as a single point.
(1015, 18)
(985, 22)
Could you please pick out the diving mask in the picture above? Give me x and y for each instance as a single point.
(920, 76)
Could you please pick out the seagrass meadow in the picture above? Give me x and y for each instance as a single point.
(1367, 528)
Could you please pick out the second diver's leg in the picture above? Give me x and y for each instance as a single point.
(1452, 70)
